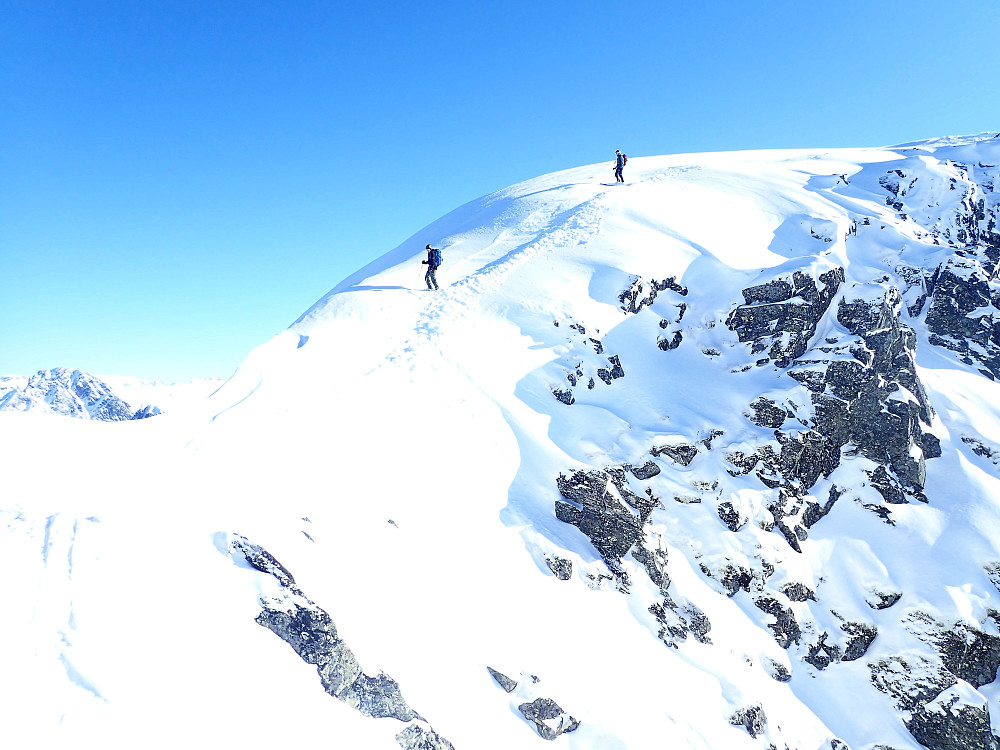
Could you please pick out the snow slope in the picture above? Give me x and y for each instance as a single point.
(542, 469)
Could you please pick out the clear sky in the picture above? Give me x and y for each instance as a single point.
(180, 180)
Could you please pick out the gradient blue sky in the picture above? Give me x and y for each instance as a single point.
(180, 180)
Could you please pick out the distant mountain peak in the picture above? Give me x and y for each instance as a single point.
(65, 391)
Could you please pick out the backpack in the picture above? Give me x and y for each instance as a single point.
(435, 257)
(624, 160)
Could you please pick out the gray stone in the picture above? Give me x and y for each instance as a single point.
(731, 517)
(549, 719)
(682, 454)
(862, 635)
(785, 627)
(947, 726)
(416, 737)
(647, 471)
(502, 680)
(609, 524)
(773, 322)
(311, 633)
(561, 567)
(798, 592)
(766, 413)
(751, 718)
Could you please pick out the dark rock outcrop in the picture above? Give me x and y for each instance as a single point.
(636, 297)
(780, 316)
(311, 633)
(508, 685)
(601, 510)
(549, 719)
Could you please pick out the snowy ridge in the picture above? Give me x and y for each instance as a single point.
(705, 460)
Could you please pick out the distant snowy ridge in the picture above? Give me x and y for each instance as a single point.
(73, 393)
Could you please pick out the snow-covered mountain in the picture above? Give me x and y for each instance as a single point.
(78, 394)
(71, 393)
(705, 460)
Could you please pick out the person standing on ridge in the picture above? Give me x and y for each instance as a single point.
(433, 262)
(621, 159)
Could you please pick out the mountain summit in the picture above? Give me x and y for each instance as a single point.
(708, 459)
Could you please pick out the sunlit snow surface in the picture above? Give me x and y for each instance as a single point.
(397, 450)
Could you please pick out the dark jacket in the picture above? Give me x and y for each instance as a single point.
(433, 257)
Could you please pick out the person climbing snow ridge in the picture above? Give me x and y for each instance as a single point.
(620, 161)
(433, 262)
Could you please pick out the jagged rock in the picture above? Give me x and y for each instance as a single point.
(697, 623)
(378, 697)
(785, 627)
(969, 653)
(147, 411)
(415, 737)
(613, 373)
(772, 321)
(798, 592)
(503, 680)
(962, 290)
(263, 561)
(311, 633)
(669, 344)
(912, 681)
(731, 517)
(682, 454)
(767, 413)
(862, 635)
(806, 455)
(561, 567)
(604, 518)
(646, 471)
(733, 578)
(549, 719)
(882, 600)
(655, 562)
(751, 718)
(953, 721)
(822, 654)
(564, 395)
(633, 300)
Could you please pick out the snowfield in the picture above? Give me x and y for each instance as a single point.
(600, 461)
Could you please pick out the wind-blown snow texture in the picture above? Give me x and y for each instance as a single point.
(706, 460)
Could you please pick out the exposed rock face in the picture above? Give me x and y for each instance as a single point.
(69, 392)
(964, 311)
(936, 691)
(780, 317)
(610, 516)
(549, 719)
(310, 631)
(864, 391)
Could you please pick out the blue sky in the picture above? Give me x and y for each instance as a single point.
(180, 180)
